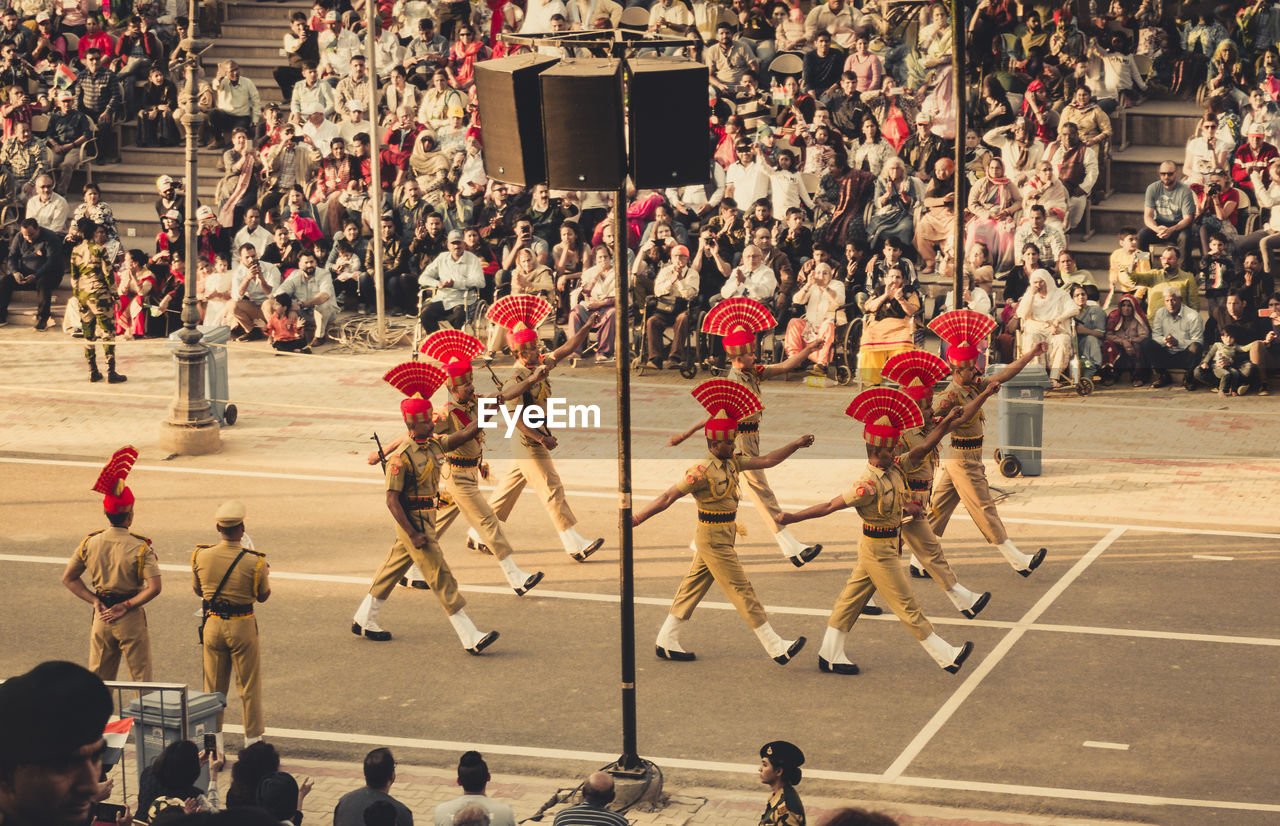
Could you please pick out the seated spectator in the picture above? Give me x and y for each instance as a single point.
(1152, 284)
(157, 103)
(995, 204)
(1260, 117)
(301, 47)
(1038, 112)
(399, 273)
(1076, 166)
(1269, 329)
(674, 294)
(1218, 210)
(867, 68)
(1125, 260)
(821, 297)
(976, 296)
(281, 796)
(1046, 238)
(473, 777)
(36, 262)
(137, 290)
(937, 222)
(1044, 189)
(465, 52)
(338, 45)
(1210, 149)
(1018, 148)
(1217, 272)
(310, 95)
(1228, 362)
(872, 152)
(895, 199)
(1251, 159)
(1168, 209)
(1067, 274)
(254, 282)
(592, 305)
(215, 293)
(379, 776)
(23, 158)
(313, 298)
(1176, 342)
(290, 163)
(67, 133)
(1122, 345)
(451, 275)
(1044, 315)
(1266, 190)
(97, 95)
(236, 104)
(727, 61)
(1118, 79)
(597, 794)
(171, 780)
(751, 278)
(1236, 312)
(48, 208)
(890, 316)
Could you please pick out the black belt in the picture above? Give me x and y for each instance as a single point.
(966, 443)
(748, 427)
(421, 503)
(716, 517)
(109, 600)
(459, 461)
(227, 610)
(918, 484)
(875, 532)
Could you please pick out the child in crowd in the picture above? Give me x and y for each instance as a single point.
(284, 327)
(1126, 260)
(346, 271)
(1217, 272)
(1226, 357)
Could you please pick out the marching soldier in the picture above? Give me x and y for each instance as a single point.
(917, 372)
(413, 478)
(881, 498)
(529, 387)
(124, 574)
(738, 320)
(229, 578)
(962, 476)
(93, 284)
(461, 477)
(713, 481)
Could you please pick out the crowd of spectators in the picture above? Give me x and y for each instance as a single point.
(830, 195)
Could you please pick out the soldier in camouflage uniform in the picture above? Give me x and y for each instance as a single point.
(93, 284)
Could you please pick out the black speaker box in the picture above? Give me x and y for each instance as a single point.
(582, 125)
(511, 113)
(668, 123)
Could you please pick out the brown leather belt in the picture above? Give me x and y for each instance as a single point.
(227, 610)
(421, 503)
(969, 443)
(110, 600)
(717, 517)
(918, 484)
(876, 532)
(460, 461)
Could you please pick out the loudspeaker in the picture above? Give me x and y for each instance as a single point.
(582, 125)
(511, 112)
(668, 123)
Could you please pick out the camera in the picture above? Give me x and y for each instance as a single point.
(1213, 189)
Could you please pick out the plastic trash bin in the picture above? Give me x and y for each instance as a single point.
(158, 722)
(216, 385)
(1021, 432)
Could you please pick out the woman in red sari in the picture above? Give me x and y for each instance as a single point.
(464, 53)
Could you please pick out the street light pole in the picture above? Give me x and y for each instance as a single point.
(191, 428)
(960, 99)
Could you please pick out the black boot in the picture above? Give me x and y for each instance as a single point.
(94, 373)
(112, 376)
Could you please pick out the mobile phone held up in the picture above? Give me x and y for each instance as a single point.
(211, 745)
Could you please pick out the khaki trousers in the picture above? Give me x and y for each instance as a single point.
(923, 542)
(248, 314)
(126, 636)
(758, 490)
(716, 561)
(233, 643)
(533, 465)
(965, 480)
(879, 569)
(463, 486)
(430, 560)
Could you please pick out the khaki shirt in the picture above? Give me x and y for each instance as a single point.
(535, 396)
(414, 469)
(457, 417)
(117, 561)
(908, 442)
(247, 583)
(749, 379)
(713, 483)
(957, 394)
(879, 496)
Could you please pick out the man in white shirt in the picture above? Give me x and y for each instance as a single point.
(354, 123)
(1176, 342)
(310, 94)
(452, 273)
(48, 207)
(676, 285)
(1048, 239)
(319, 131)
(473, 777)
(236, 102)
(311, 288)
(253, 232)
(751, 278)
(252, 284)
(821, 297)
(836, 19)
(787, 187)
(337, 46)
(746, 180)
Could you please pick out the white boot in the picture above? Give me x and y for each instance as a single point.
(668, 645)
(781, 650)
(795, 550)
(365, 622)
(693, 545)
(966, 601)
(519, 581)
(1024, 564)
(578, 546)
(249, 741)
(473, 639)
(217, 738)
(948, 656)
(831, 656)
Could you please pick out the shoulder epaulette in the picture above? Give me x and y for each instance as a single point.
(94, 533)
(145, 539)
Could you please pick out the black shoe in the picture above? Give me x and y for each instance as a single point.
(836, 668)
(485, 641)
(478, 546)
(807, 555)
(115, 378)
(872, 610)
(420, 584)
(919, 573)
(376, 636)
(1035, 562)
(41, 324)
(783, 659)
(674, 656)
(964, 655)
(533, 580)
(256, 334)
(970, 613)
(4, 319)
(581, 556)
(1162, 380)
(94, 373)
(1189, 383)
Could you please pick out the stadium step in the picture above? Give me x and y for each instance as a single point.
(1135, 168)
(116, 191)
(1123, 209)
(246, 11)
(242, 50)
(1166, 123)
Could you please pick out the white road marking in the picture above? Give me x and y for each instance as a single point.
(990, 661)
(1099, 744)
(376, 479)
(601, 758)
(1213, 557)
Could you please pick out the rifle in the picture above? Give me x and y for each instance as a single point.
(382, 457)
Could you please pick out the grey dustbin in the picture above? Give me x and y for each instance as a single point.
(158, 722)
(217, 387)
(1021, 408)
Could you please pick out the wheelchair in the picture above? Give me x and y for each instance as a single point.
(688, 348)
(474, 308)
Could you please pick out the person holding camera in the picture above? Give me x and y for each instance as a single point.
(1218, 210)
(676, 286)
(524, 239)
(255, 281)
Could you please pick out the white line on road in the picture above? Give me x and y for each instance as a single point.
(1099, 744)
(989, 662)
(1213, 557)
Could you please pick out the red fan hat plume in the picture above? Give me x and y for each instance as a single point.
(418, 382)
(738, 320)
(116, 498)
(521, 315)
(885, 414)
(916, 372)
(963, 331)
(455, 350)
(728, 403)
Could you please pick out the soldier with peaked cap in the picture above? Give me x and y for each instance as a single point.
(528, 388)
(229, 578)
(780, 764)
(713, 481)
(881, 498)
(413, 479)
(460, 476)
(962, 477)
(124, 575)
(916, 373)
(738, 320)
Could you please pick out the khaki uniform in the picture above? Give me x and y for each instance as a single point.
(533, 463)
(918, 533)
(879, 497)
(231, 629)
(413, 471)
(747, 444)
(962, 477)
(118, 564)
(714, 484)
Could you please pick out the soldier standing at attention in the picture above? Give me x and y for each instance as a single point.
(93, 284)
(962, 476)
(229, 578)
(713, 481)
(125, 576)
(738, 320)
(881, 498)
(780, 764)
(916, 373)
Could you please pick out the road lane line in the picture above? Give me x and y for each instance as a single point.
(988, 664)
(1213, 557)
(1099, 744)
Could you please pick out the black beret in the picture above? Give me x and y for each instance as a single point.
(783, 754)
(52, 710)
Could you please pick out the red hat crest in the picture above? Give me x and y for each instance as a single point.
(738, 320)
(418, 382)
(521, 315)
(116, 498)
(916, 372)
(455, 350)
(963, 331)
(885, 414)
(728, 403)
